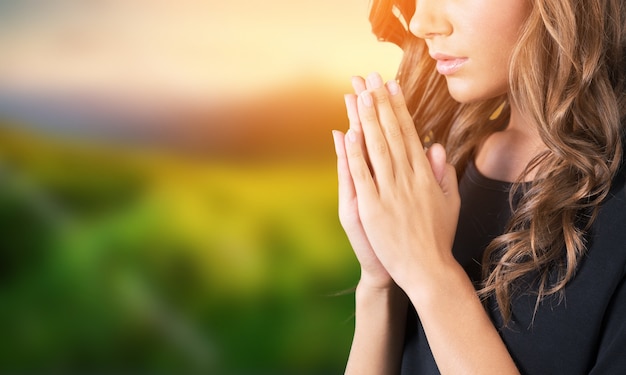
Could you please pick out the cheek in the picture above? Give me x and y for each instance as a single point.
(504, 36)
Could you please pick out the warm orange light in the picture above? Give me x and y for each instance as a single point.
(190, 49)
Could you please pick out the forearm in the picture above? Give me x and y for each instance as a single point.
(461, 335)
(379, 330)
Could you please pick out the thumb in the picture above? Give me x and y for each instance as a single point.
(436, 155)
(445, 173)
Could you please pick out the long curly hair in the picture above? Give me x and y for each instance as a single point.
(568, 74)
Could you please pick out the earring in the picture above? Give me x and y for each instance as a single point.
(497, 112)
(428, 139)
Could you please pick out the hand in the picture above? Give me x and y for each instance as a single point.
(372, 271)
(407, 200)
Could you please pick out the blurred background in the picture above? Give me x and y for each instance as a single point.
(167, 184)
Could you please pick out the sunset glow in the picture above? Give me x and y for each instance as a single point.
(187, 49)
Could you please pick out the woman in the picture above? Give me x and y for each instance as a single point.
(519, 266)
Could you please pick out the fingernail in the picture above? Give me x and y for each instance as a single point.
(393, 87)
(366, 98)
(358, 83)
(375, 80)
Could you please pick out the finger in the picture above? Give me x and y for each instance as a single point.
(354, 120)
(374, 81)
(348, 212)
(346, 187)
(352, 111)
(358, 84)
(398, 126)
(348, 215)
(388, 122)
(412, 143)
(378, 149)
(362, 179)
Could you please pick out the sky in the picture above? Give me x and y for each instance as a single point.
(190, 50)
(68, 65)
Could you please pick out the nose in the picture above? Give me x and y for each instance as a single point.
(429, 19)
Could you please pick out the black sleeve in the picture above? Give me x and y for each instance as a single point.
(611, 358)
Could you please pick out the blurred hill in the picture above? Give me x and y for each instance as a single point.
(124, 262)
(292, 121)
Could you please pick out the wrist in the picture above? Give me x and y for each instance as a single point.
(387, 306)
(443, 286)
(372, 291)
(377, 281)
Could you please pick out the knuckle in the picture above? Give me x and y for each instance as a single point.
(407, 128)
(397, 105)
(381, 98)
(354, 152)
(369, 116)
(361, 173)
(394, 131)
(380, 148)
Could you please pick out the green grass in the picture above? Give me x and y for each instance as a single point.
(124, 260)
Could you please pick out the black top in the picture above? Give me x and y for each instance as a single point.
(585, 333)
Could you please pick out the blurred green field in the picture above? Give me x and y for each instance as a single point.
(115, 260)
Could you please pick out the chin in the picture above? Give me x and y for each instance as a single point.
(466, 93)
(464, 97)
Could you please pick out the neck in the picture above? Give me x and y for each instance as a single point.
(524, 127)
(505, 154)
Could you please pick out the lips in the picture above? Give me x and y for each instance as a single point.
(447, 65)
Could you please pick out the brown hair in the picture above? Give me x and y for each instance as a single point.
(568, 73)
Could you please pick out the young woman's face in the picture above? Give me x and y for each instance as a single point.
(472, 41)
